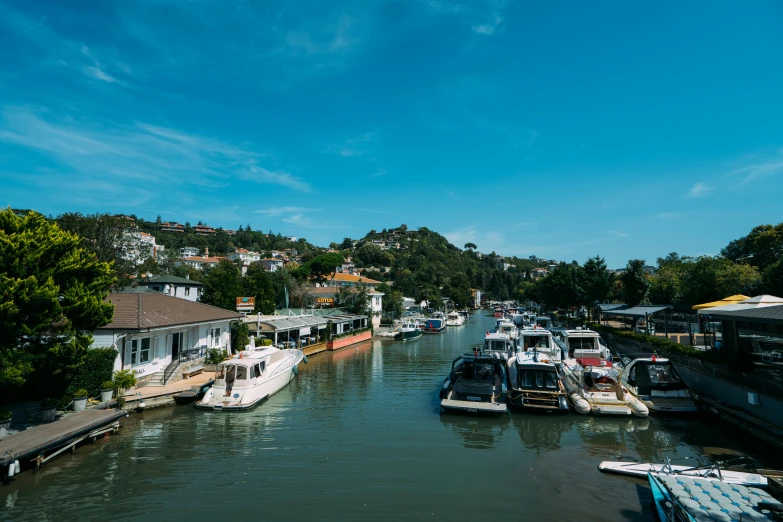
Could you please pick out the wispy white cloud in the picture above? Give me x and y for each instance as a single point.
(700, 190)
(98, 151)
(753, 172)
(490, 27)
(378, 173)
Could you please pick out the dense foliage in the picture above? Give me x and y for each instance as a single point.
(96, 368)
(53, 291)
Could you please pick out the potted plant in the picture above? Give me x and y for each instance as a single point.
(5, 419)
(107, 389)
(48, 409)
(123, 381)
(80, 399)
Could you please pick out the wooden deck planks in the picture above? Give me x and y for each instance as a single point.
(47, 436)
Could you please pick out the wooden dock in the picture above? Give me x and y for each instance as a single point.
(43, 442)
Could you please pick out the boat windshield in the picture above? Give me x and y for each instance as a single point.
(480, 371)
(536, 341)
(648, 376)
(604, 379)
(495, 345)
(582, 343)
(537, 379)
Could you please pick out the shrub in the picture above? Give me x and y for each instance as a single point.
(49, 403)
(266, 342)
(97, 367)
(5, 414)
(215, 356)
(107, 385)
(123, 380)
(81, 393)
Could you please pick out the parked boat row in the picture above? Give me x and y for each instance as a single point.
(560, 370)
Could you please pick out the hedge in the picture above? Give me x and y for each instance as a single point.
(660, 344)
(97, 367)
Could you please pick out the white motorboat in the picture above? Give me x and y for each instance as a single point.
(507, 328)
(710, 472)
(250, 377)
(540, 340)
(498, 345)
(454, 319)
(598, 389)
(655, 382)
(534, 383)
(586, 346)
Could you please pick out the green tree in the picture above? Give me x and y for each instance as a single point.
(258, 284)
(325, 264)
(470, 246)
(222, 285)
(772, 279)
(635, 282)
(598, 281)
(764, 243)
(53, 296)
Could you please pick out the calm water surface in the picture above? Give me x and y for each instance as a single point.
(357, 436)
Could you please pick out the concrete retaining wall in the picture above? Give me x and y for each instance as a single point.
(768, 409)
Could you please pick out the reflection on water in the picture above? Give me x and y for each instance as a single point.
(359, 435)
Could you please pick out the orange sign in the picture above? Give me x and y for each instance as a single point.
(246, 304)
(324, 301)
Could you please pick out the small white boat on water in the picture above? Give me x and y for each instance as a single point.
(454, 319)
(534, 383)
(710, 472)
(251, 377)
(498, 345)
(508, 328)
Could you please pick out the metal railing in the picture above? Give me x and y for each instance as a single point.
(184, 356)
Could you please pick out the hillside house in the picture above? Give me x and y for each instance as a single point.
(180, 287)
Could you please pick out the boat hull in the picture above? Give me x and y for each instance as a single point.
(642, 469)
(215, 399)
(473, 407)
(410, 336)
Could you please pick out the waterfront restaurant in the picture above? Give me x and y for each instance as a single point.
(151, 330)
(303, 330)
(754, 333)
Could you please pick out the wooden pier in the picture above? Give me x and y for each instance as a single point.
(41, 443)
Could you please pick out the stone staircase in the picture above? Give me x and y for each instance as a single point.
(156, 379)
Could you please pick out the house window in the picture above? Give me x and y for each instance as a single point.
(134, 352)
(144, 353)
(216, 337)
(187, 290)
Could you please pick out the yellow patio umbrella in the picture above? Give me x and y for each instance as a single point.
(732, 299)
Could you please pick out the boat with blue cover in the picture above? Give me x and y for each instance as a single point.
(685, 499)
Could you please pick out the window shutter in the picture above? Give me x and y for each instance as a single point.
(169, 345)
(127, 353)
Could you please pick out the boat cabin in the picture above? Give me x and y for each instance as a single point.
(586, 346)
(543, 321)
(498, 342)
(652, 375)
(506, 327)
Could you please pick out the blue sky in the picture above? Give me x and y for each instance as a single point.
(560, 129)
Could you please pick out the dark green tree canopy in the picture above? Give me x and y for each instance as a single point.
(53, 297)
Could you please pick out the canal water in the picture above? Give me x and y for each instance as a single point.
(359, 436)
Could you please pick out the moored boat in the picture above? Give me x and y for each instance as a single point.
(250, 377)
(597, 389)
(454, 319)
(476, 384)
(656, 383)
(534, 383)
(507, 327)
(435, 324)
(409, 331)
(499, 345)
(686, 499)
(542, 341)
(709, 472)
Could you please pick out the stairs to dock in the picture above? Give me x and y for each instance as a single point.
(156, 379)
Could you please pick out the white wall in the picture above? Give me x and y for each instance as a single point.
(160, 344)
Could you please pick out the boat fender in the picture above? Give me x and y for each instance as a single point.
(295, 370)
(17, 467)
(304, 359)
(11, 468)
(562, 403)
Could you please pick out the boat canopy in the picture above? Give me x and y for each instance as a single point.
(654, 375)
(725, 301)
